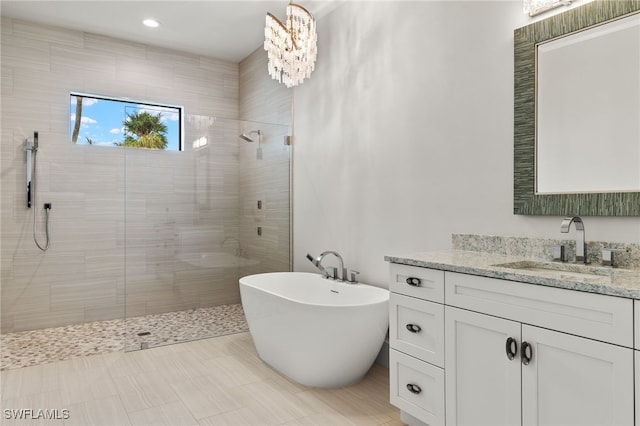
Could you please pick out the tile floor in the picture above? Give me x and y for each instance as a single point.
(28, 348)
(215, 381)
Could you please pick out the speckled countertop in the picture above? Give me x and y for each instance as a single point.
(586, 278)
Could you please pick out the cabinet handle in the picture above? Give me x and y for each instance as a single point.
(414, 281)
(415, 389)
(511, 348)
(526, 357)
(414, 328)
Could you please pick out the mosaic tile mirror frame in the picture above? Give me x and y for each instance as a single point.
(526, 200)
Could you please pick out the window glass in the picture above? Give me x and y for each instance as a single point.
(96, 120)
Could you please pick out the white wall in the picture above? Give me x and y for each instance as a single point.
(404, 134)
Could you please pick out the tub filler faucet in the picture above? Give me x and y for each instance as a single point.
(581, 252)
(341, 270)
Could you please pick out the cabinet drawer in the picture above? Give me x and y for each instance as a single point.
(596, 316)
(428, 283)
(426, 319)
(426, 402)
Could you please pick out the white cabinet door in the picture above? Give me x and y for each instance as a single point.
(637, 355)
(482, 383)
(636, 323)
(575, 381)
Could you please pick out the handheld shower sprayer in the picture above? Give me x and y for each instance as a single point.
(32, 148)
(316, 262)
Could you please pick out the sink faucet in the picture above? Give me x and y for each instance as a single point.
(581, 255)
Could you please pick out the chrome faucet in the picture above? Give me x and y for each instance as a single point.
(342, 271)
(581, 252)
(318, 264)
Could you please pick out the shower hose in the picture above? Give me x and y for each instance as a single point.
(47, 207)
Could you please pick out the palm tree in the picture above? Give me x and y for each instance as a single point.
(76, 125)
(148, 129)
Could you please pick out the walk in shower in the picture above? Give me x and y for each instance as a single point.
(146, 246)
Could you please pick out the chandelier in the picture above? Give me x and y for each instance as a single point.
(536, 7)
(291, 48)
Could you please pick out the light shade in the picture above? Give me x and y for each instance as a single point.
(291, 48)
(536, 7)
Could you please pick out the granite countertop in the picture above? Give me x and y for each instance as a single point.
(579, 277)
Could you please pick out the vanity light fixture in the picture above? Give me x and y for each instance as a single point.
(291, 47)
(536, 7)
(151, 23)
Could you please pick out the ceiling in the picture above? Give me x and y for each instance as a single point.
(228, 30)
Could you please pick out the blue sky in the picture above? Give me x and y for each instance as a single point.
(102, 120)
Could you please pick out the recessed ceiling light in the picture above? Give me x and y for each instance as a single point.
(151, 23)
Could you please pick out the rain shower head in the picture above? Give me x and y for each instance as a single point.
(246, 136)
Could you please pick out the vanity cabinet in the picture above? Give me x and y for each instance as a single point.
(512, 353)
(500, 371)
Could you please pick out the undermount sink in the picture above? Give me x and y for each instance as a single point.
(559, 270)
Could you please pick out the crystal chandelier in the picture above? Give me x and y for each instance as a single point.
(291, 48)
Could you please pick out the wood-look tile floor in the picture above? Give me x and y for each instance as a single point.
(216, 381)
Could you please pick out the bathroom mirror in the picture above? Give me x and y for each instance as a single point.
(587, 110)
(576, 132)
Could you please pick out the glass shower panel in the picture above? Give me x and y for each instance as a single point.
(265, 199)
(67, 301)
(185, 243)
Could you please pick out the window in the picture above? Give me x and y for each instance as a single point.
(97, 120)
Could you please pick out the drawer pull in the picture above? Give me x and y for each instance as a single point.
(526, 357)
(414, 328)
(511, 348)
(415, 389)
(414, 281)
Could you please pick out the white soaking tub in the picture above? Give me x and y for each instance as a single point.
(317, 332)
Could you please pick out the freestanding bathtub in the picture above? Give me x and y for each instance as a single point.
(315, 331)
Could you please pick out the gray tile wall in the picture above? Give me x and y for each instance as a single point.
(127, 226)
(265, 100)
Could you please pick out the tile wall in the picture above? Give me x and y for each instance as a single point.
(264, 100)
(131, 230)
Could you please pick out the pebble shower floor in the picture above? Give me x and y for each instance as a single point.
(27, 348)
